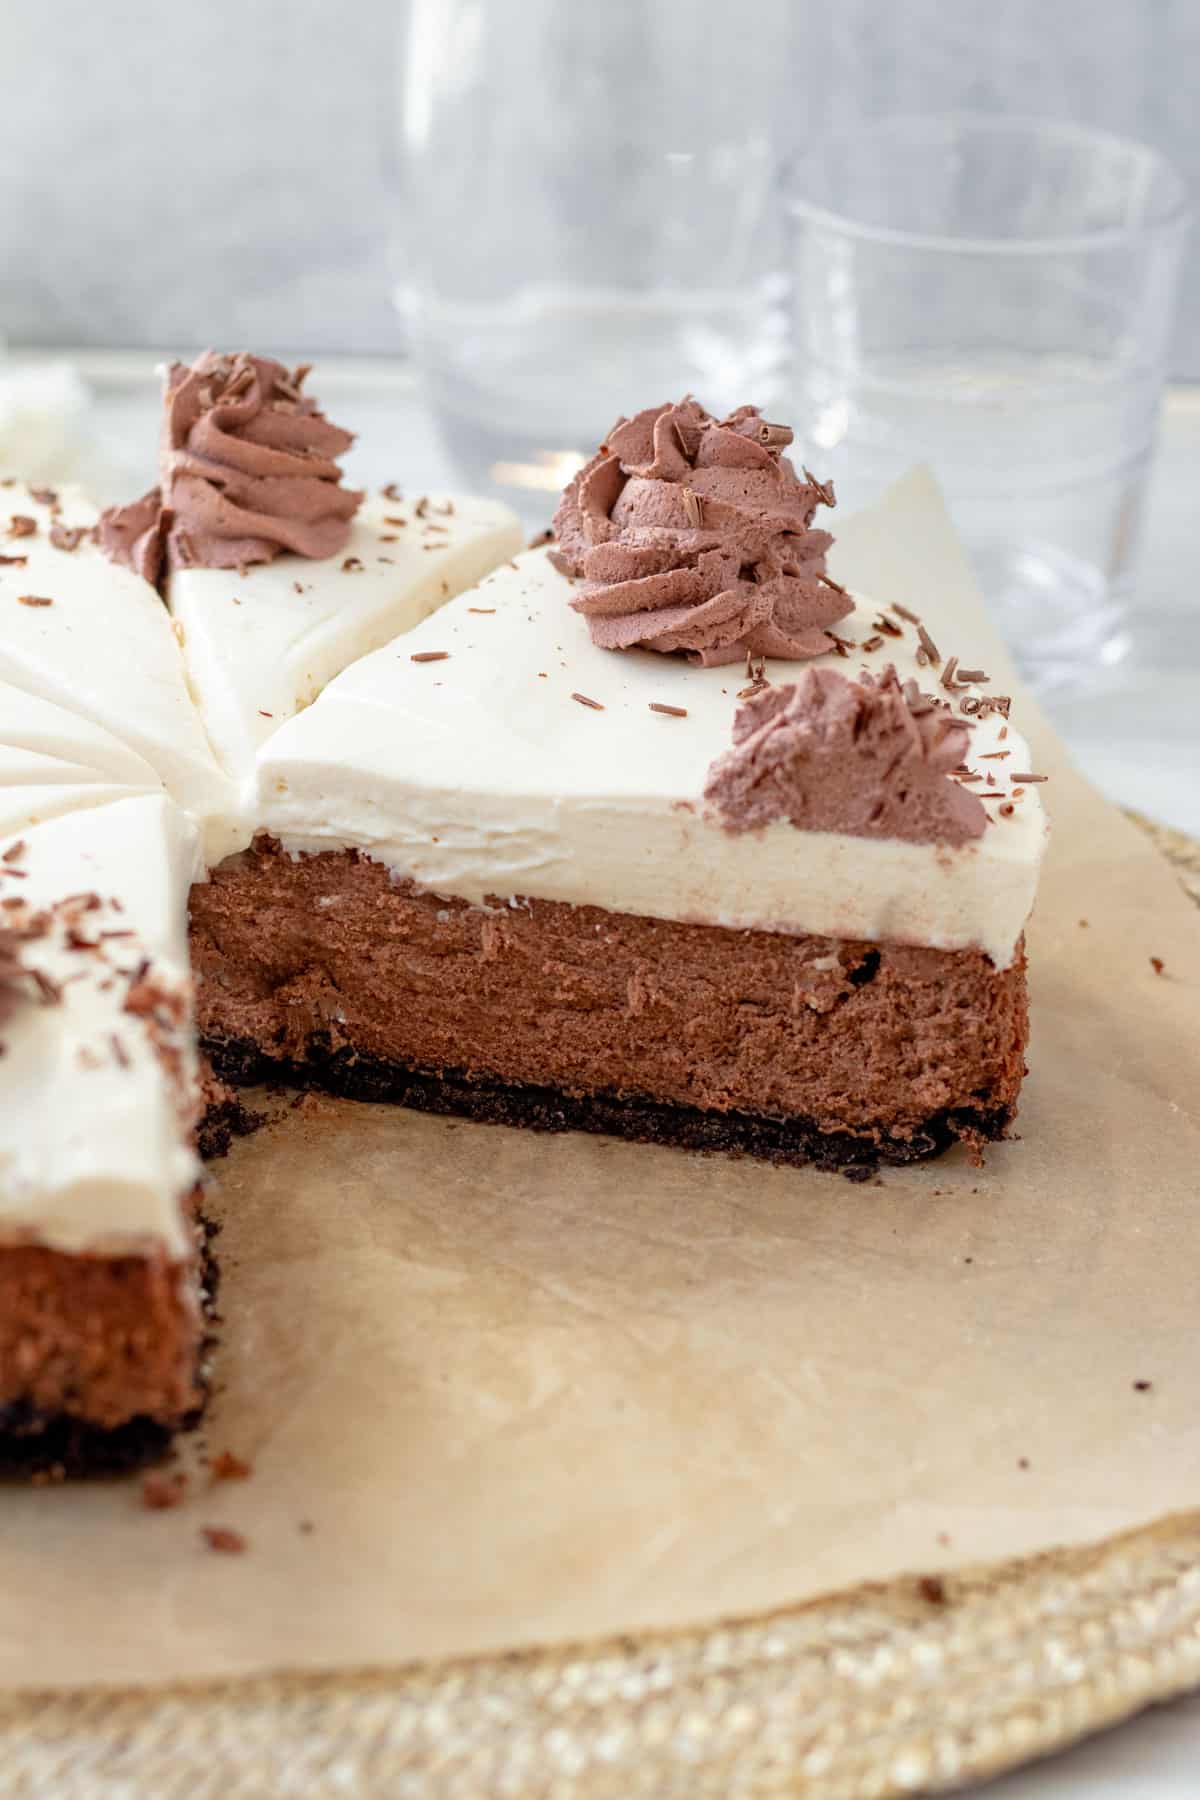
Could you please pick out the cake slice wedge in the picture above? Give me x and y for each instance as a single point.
(102, 1281)
(508, 867)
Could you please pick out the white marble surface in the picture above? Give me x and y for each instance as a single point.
(1139, 740)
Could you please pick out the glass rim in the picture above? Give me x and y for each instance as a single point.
(1176, 213)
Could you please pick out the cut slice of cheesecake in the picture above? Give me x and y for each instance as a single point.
(101, 1282)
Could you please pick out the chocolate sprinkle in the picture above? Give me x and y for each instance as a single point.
(927, 644)
(583, 700)
(823, 489)
(423, 656)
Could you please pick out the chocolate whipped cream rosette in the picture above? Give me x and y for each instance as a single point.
(248, 469)
(692, 534)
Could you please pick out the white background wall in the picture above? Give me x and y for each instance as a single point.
(219, 171)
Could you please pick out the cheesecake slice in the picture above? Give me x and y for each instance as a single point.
(540, 869)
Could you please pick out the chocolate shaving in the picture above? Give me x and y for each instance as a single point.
(44, 496)
(225, 1466)
(692, 509)
(120, 1053)
(481, 609)
(14, 853)
(15, 561)
(583, 700)
(871, 644)
(948, 674)
(836, 586)
(392, 492)
(1014, 777)
(673, 712)
(927, 644)
(33, 600)
(223, 1538)
(21, 525)
(49, 990)
(388, 520)
(975, 675)
(822, 489)
(884, 624)
(775, 437)
(422, 507)
(993, 755)
(542, 537)
(912, 617)
(66, 537)
(353, 565)
(423, 656)
(1159, 967)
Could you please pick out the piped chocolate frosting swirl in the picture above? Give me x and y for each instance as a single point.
(869, 758)
(248, 469)
(692, 534)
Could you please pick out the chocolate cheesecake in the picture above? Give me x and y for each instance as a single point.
(653, 829)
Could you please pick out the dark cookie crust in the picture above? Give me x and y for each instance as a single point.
(797, 1141)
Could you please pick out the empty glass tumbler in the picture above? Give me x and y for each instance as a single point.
(588, 220)
(994, 296)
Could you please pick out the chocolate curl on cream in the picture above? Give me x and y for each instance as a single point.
(868, 758)
(695, 535)
(248, 469)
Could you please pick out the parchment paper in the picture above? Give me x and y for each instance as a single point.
(500, 1389)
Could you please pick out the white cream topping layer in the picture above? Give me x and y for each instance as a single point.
(260, 645)
(484, 773)
(103, 650)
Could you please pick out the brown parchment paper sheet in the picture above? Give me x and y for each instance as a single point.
(501, 1389)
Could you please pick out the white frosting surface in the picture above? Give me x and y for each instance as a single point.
(105, 652)
(260, 646)
(92, 1148)
(480, 776)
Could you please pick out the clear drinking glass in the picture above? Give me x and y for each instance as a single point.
(588, 220)
(994, 296)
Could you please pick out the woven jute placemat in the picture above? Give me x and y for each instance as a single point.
(911, 1686)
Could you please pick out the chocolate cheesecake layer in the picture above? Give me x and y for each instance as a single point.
(327, 969)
